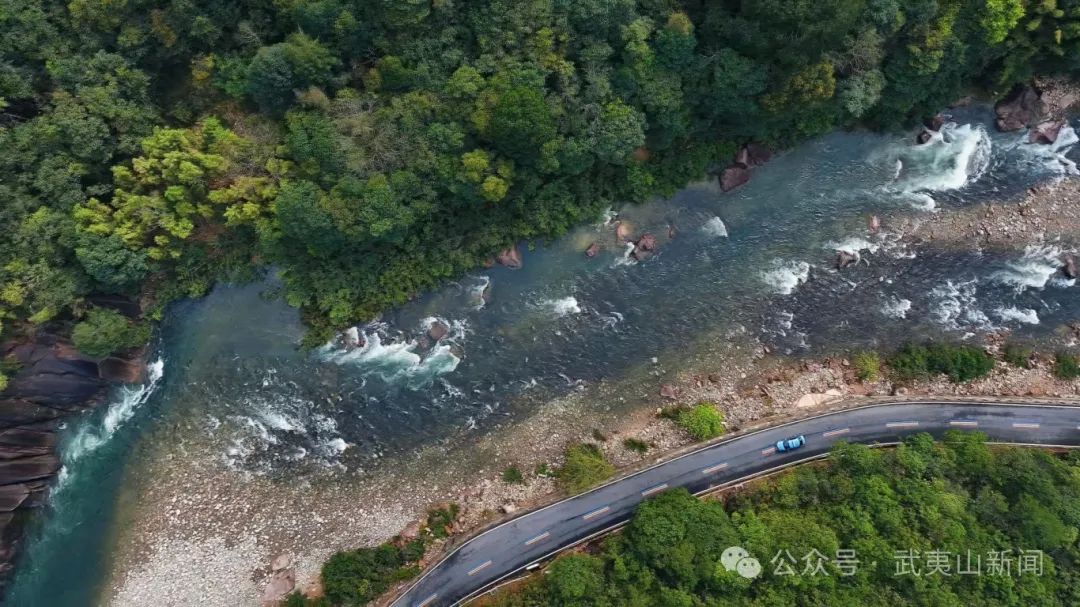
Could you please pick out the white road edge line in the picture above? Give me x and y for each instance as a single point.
(542, 536)
(479, 568)
(836, 432)
(911, 424)
(652, 490)
(427, 601)
(596, 513)
(712, 469)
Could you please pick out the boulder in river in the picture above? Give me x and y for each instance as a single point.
(510, 258)
(845, 259)
(1021, 108)
(592, 250)
(756, 154)
(924, 137)
(1046, 132)
(644, 246)
(734, 176)
(1068, 267)
(874, 224)
(623, 229)
(437, 330)
(935, 122)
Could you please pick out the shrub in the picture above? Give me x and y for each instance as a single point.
(544, 470)
(702, 421)
(636, 445)
(440, 520)
(357, 576)
(1066, 366)
(960, 363)
(867, 366)
(105, 331)
(1017, 355)
(585, 466)
(513, 476)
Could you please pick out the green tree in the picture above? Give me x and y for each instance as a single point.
(278, 70)
(103, 332)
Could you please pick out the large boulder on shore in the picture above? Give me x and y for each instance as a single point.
(845, 259)
(1020, 109)
(733, 177)
(510, 258)
(756, 154)
(1046, 132)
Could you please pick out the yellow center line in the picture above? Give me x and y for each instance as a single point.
(542, 536)
(712, 469)
(479, 568)
(652, 490)
(596, 513)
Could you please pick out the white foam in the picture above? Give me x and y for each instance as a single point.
(786, 276)
(715, 227)
(1052, 157)
(953, 158)
(399, 360)
(1034, 270)
(957, 307)
(90, 436)
(476, 294)
(896, 307)
(562, 306)
(627, 257)
(854, 245)
(1024, 315)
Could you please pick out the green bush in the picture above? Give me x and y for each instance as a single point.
(702, 421)
(440, 520)
(867, 366)
(356, 577)
(585, 467)
(636, 445)
(105, 331)
(513, 476)
(1017, 355)
(960, 363)
(543, 469)
(1066, 366)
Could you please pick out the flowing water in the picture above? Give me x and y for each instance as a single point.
(755, 263)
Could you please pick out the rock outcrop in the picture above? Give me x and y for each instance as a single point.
(1069, 268)
(734, 176)
(1021, 108)
(510, 258)
(592, 250)
(51, 381)
(845, 259)
(644, 247)
(1046, 132)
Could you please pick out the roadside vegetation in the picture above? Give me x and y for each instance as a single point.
(703, 421)
(868, 517)
(1066, 365)
(585, 467)
(370, 150)
(867, 366)
(353, 578)
(922, 361)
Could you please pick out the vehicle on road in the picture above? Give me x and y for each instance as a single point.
(792, 443)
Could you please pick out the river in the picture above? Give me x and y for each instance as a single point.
(755, 263)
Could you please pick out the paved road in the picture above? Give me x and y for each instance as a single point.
(508, 548)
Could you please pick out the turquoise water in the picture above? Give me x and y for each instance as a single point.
(751, 264)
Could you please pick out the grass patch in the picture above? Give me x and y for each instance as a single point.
(513, 476)
(702, 421)
(867, 366)
(544, 470)
(585, 467)
(960, 363)
(1017, 355)
(636, 445)
(1066, 365)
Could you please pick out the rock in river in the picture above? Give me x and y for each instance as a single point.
(845, 259)
(644, 247)
(437, 330)
(1069, 268)
(1020, 109)
(510, 258)
(1046, 132)
(733, 177)
(592, 250)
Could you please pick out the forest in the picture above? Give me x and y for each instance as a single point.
(364, 151)
(935, 524)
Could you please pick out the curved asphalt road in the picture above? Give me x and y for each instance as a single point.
(510, 547)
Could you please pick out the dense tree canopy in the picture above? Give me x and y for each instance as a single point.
(368, 150)
(936, 524)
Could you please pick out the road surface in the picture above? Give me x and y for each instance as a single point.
(506, 549)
